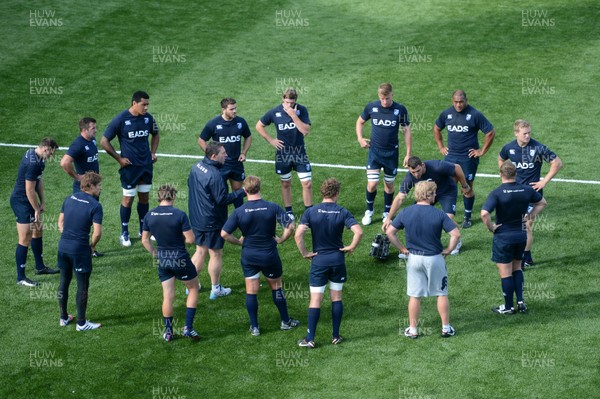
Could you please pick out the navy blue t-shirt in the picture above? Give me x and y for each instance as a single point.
(132, 132)
(257, 220)
(293, 140)
(228, 133)
(385, 123)
(81, 211)
(423, 225)
(30, 168)
(167, 224)
(528, 159)
(511, 200)
(84, 154)
(440, 172)
(462, 129)
(327, 221)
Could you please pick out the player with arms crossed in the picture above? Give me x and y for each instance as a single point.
(326, 222)
(463, 122)
(132, 127)
(387, 116)
(229, 129)
(257, 220)
(529, 155)
(292, 124)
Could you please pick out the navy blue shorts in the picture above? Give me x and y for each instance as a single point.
(182, 269)
(132, 176)
(386, 159)
(468, 165)
(23, 210)
(285, 163)
(505, 252)
(273, 269)
(210, 239)
(233, 171)
(448, 203)
(81, 263)
(320, 275)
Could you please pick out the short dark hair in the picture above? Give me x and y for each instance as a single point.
(89, 179)
(227, 101)
(330, 188)
(48, 142)
(413, 162)
(166, 192)
(508, 169)
(138, 96)
(213, 148)
(460, 93)
(84, 123)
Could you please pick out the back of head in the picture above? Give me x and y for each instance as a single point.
(508, 170)
(252, 185)
(213, 148)
(424, 190)
(330, 188)
(90, 179)
(166, 192)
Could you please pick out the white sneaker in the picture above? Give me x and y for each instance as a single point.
(88, 326)
(222, 291)
(291, 216)
(402, 256)
(384, 216)
(456, 250)
(124, 239)
(366, 220)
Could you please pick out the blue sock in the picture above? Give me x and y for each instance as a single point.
(337, 310)
(125, 216)
(281, 303)
(252, 307)
(21, 258)
(508, 289)
(519, 282)
(313, 319)
(388, 198)
(142, 210)
(168, 324)
(468, 202)
(527, 256)
(371, 200)
(190, 313)
(37, 247)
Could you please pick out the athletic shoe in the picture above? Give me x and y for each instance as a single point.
(190, 333)
(410, 335)
(521, 307)
(337, 340)
(402, 256)
(124, 239)
(448, 333)
(466, 223)
(63, 322)
(88, 326)
(97, 254)
(291, 216)
(28, 283)
(47, 270)
(366, 220)
(140, 235)
(502, 310)
(289, 325)
(222, 291)
(384, 216)
(168, 336)
(456, 250)
(306, 344)
(254, 331)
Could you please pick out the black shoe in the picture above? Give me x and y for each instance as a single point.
(466, 223)
(97, 254)
(521, 307)
(47, 270)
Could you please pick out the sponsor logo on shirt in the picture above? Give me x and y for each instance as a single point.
(458, 128)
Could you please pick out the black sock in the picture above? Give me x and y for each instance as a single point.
(37, 247)
(21, 258)
(508, 289)
(142, 210)
(83, 284)
(125, 216)
(281, 303)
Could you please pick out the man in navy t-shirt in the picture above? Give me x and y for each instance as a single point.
(28, 202)
(229, 130)
(463, 123)
(444, 174)
(426, 273)
(257, 219)
(132, 127)
(171, 228)
(511, 201)
(80, 211)
(292, 124)
(528, 155)
(327, 221)
(387, 116)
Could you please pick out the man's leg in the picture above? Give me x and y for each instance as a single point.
(236, 185)
(24, 231)
(215, 266)
(125, 213)
(143, 206)
(371, 194)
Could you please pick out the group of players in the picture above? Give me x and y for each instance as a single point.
(226, 140)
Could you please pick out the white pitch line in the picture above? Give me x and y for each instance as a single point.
(324, 165)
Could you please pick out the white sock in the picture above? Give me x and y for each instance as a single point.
(216, 287)
(446, 327)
